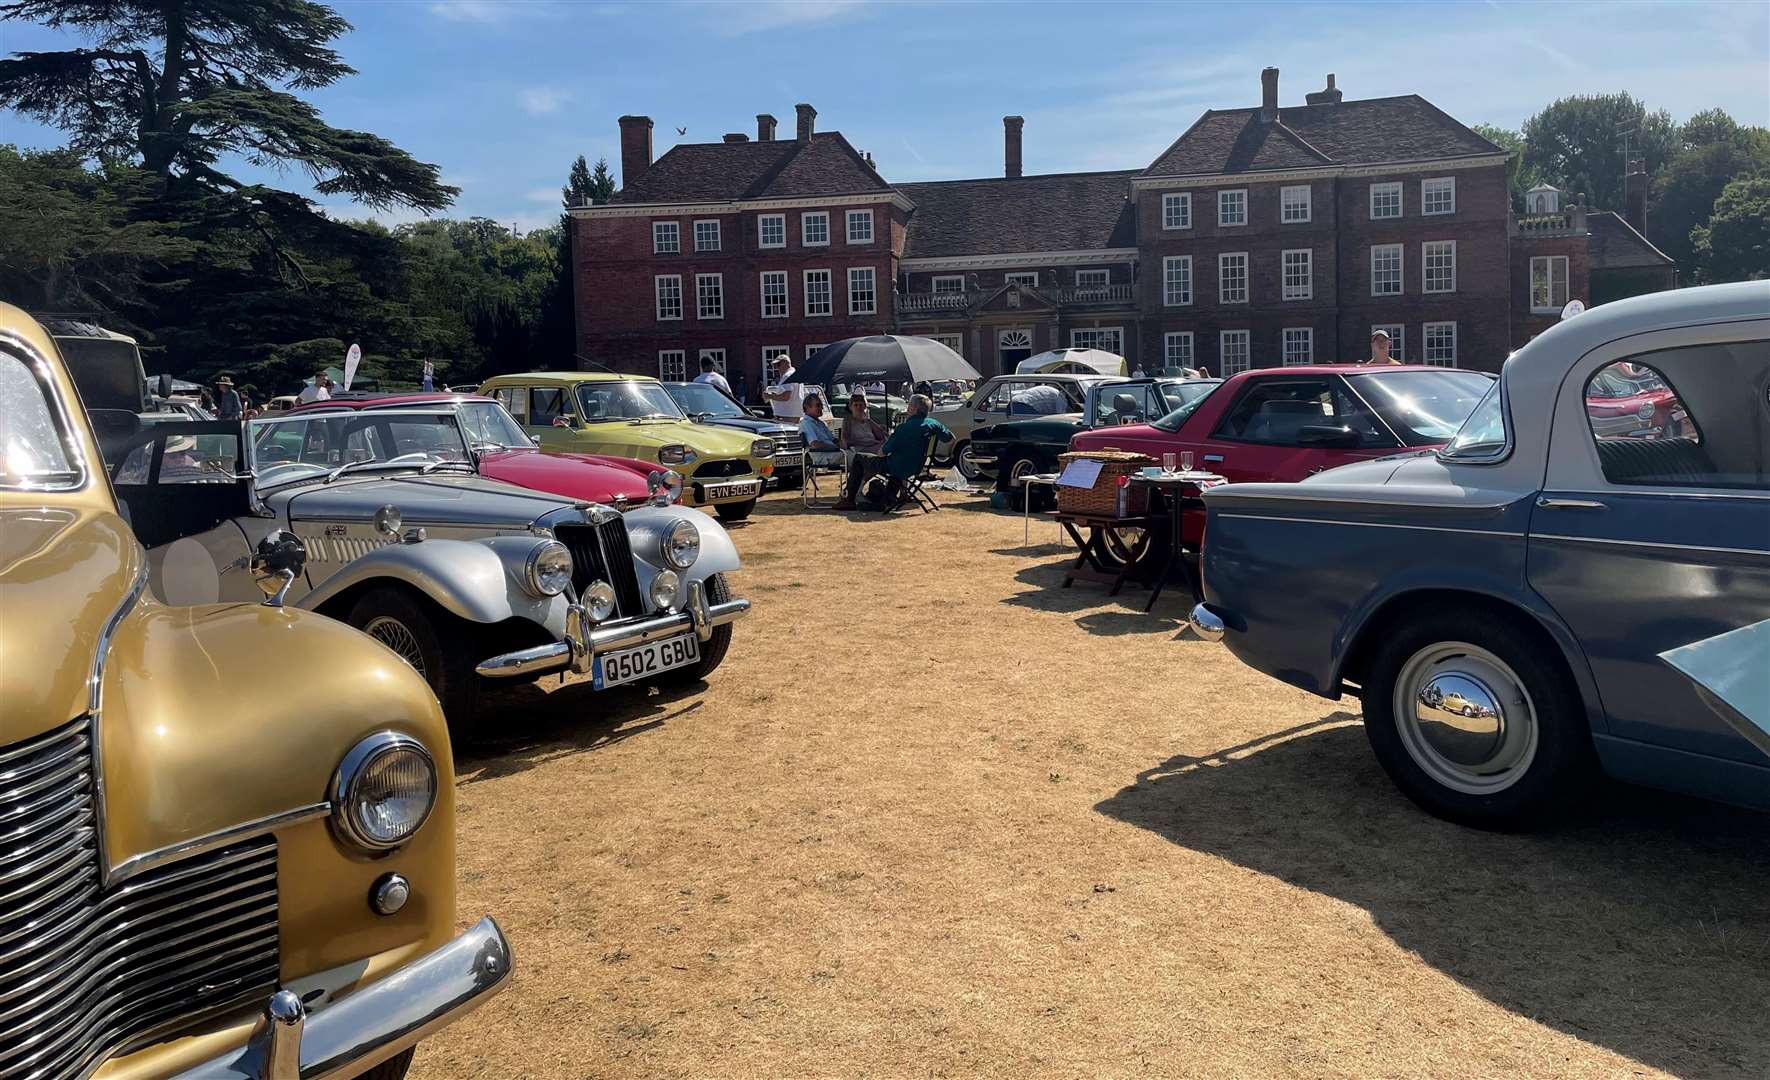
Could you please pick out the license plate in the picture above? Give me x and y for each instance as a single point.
(787, 461)
(615, 668)
(732, 489)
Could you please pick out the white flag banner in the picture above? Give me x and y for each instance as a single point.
(351, 359)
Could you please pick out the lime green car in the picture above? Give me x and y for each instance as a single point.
(632, 416)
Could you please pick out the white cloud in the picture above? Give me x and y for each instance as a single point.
(541, 100)
(733, 19)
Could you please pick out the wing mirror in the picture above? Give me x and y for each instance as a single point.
(1325, 435)
(278, 560)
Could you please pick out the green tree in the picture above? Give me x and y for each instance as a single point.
(1576, 144)
(1520, 176)
(1713, 150)
(1735, 244)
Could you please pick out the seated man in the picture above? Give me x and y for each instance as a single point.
(817, 435)
(907, 448)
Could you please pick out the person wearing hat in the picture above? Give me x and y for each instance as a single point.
(227, 399)
(1380, 348)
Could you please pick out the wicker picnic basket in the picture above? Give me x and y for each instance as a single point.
(1107, 498)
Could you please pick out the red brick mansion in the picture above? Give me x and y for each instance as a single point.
(1262, 236)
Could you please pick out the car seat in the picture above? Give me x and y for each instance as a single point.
(1655, 461)
(1280, 421)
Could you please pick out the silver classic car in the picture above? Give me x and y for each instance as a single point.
(382, 520)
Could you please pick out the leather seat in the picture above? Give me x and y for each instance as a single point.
(1655, 461)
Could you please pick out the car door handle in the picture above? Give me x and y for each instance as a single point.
(1546, 503)
(1214, 458)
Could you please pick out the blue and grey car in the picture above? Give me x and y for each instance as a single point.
(1544, 598)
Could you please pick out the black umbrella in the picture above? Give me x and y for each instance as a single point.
(888, 358)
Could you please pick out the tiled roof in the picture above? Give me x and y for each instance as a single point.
(779, 168)
(1003, 215)
(1615, 245)
(1375, 130)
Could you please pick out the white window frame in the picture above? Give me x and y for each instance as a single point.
(762, 221)
(955, 342)
(1392, 188)
(1245, 339)
(769, 352)
(1449, 184)
(871, 290)
(820, 216)
(1097, 277)
(1426, 331)
(1307, 290)
(1026, 278)
(1426, 257)
(670, 229)
(1176, 210)
(811, 350)
(785, 307)
(1291, 335)
(1223, 195)
(1093, 334)
(829, 284)
(679, 358)
(1222, 262)
(715, 355)
(701, 305)
(1400, 271)
(1285, 205)
(1553, 306)
(698, 245)
(850, 218)
(1170, 296)
(657, 292)
(935, 284)
(1397, 338)
(1176, 338)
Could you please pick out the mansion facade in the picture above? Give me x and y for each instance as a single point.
(1261, 236)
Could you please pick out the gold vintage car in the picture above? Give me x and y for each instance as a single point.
(227, 836)
(632, 416)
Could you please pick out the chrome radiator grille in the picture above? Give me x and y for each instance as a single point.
(86, 970)
(602, 551)
(787, 442)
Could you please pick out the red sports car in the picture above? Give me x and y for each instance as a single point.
(1633, 403)
(506, 453)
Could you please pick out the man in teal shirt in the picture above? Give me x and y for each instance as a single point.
(906, 447)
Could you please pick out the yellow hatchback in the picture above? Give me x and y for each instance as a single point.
(632, 416)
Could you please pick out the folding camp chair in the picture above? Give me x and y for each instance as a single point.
(910, 491)
(822, 462)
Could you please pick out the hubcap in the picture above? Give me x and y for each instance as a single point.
(396, 636)
(962, 461)
(1465, 718)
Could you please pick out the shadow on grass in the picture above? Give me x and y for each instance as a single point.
(534, 723)
(1641, 924)
(1083, 598)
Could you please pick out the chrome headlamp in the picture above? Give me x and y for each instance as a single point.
(1645, 411)
(675, 454)
(665, 486)
(665, 588)
(383, 792)
(681, 544)
(762, 448)
(599, 600)
(549, 569)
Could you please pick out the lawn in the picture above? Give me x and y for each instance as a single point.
(936, 817)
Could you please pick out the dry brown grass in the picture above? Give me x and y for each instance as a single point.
(934, 817)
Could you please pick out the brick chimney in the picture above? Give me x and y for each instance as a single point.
(635, 147)
(736, 136)
(1635, 196)
(1330, 96)
(1011, 126)
(1269, 95)
(764, 127)
(807, 121)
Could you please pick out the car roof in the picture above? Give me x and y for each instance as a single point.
(386, 401)
(1347, 369)
(571, 376)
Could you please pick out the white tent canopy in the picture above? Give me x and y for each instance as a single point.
(1075, 361)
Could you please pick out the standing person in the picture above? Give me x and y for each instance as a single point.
(1380, 348)
(1137, 372)
(711, 377)
(429, 376)
(787, 396)
(314, 391)
(227, 400)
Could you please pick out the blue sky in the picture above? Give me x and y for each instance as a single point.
(502, 94)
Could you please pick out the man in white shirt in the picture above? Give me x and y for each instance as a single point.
(315, 391)
(787, 396)
(711, 377)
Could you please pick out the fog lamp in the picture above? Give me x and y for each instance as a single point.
(599, 600)
(665, 588)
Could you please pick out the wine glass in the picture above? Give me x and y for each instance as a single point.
(1168, 461)
(1186, 461)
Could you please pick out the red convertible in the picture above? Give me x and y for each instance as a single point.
(507, 453)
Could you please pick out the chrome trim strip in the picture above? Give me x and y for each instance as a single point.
(94, 707)
(1761, 553)
(38, 364)
(196, 845)
(1375, 525)
(1669, 492)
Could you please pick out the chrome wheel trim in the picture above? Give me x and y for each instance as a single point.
(962, 461)
(1128, 543)
(1465, 718)
(397, 636)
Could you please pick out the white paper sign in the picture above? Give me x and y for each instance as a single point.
(1080, 473)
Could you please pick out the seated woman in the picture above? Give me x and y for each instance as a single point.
(864, 438)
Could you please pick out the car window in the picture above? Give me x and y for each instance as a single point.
(1276, 412)
(1127, 405)
(515, 400)
(623, 400)
(183, 459)
(1425, 408)
(1677, 417)
(545, 404)
(31, 446)
(997, 399)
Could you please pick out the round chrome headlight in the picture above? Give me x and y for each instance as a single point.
(664, 589)
(681, 544)
(599, 599)
(675, 454)
(762, 448)
(383, 792)
(549, 569)
(1645, 411)
(665, 486)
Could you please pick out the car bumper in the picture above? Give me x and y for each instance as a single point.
(585, 641)
(1205, 623)
(369, 1026)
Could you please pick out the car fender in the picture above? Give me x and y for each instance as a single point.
(482, 581)
(645, 532)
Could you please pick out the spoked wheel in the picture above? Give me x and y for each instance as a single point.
(408, 624)
(1123, 545)
(397, 636)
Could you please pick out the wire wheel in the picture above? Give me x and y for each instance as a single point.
(398, 637)
(1465, 718)
(1125, 544)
